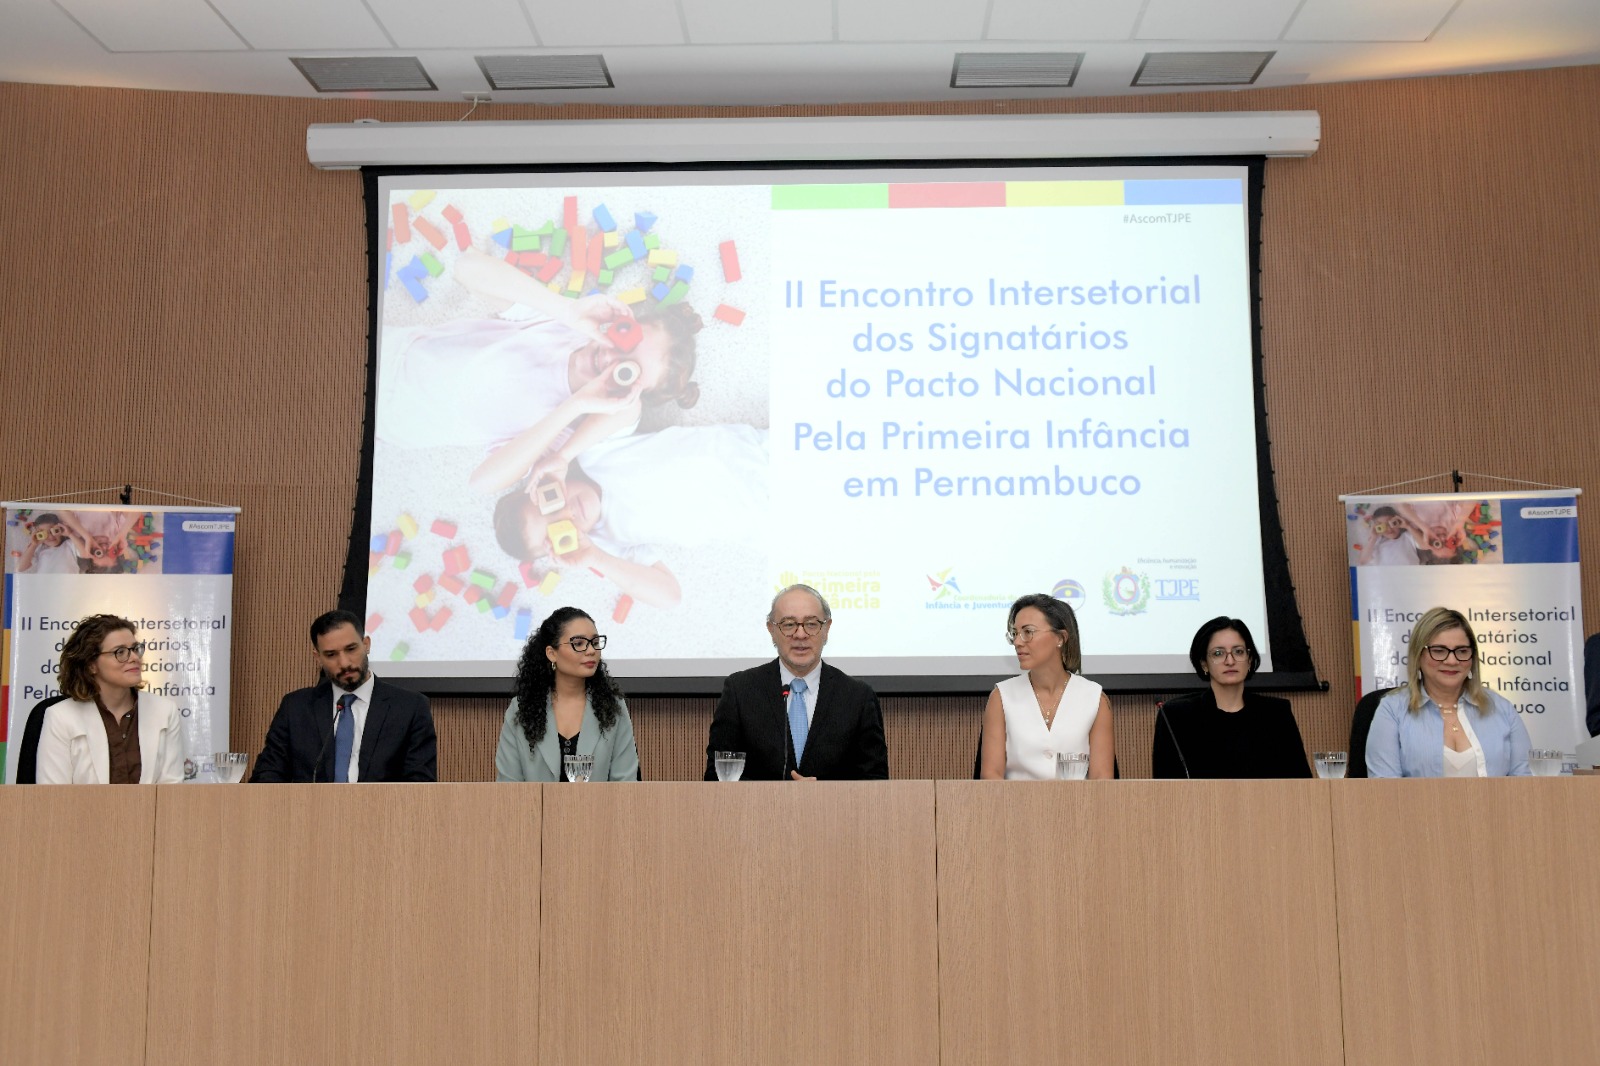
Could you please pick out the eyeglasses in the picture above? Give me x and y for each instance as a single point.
(1219, 654)
(812, 626)
(125, 652)
(583, 644)
(1025, 635)
(1439, 653)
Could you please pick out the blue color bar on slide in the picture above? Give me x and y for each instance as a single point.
(1151, 192)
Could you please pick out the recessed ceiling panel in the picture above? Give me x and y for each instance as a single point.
(563, 24)
(426, 24)
(298, 25)
(893, 20)
(760, 21)
(1216, 20)
(1368, 20)
(1068, 20)
(156, 26)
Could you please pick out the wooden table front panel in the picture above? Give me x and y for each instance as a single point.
(740, 923)
(74, 922)
(1137, 922)
(1469, 926)
(374, 924)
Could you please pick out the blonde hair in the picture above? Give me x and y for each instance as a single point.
(1434, 621)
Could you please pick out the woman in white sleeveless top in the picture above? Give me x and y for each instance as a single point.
(1049, 708)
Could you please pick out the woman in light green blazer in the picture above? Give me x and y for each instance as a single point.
(565, 704)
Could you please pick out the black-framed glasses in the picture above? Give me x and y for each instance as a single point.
(1025, 635)
(1219, 654)
(124, 652)
(583, 644)
(812, 626)
(1439, 653)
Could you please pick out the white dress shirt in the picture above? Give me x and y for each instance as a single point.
(358, 711)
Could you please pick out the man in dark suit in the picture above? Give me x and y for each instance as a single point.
(797, 718)
(351, 727)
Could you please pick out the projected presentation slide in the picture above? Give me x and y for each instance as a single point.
(662, 396)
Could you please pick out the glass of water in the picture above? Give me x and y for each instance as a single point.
(1072, 766)
(1545, 762)
(730, 765)
(1331, 765)
(229, 766)
(579, 767)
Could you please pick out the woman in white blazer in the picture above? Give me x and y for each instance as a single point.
(566, 704)
(101, 672)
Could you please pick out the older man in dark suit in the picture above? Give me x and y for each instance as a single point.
(797, 718)
(351, 727)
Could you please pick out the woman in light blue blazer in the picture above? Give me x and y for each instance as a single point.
(1446, 722)
(565, 704)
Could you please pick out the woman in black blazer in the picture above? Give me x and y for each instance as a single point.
(1222, 730)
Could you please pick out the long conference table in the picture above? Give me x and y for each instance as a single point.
(1136, 922)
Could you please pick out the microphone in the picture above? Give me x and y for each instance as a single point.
(783, 775)
(1161, 708)
(316, 766)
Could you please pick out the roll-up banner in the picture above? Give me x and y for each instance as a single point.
(168, 570)
(1508, 562)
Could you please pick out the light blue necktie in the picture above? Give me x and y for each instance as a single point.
(798, 726)
(344, 737)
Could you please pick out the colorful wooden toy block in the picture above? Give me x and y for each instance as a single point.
(731, 315)
(730, 261)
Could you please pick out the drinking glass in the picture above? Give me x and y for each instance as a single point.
(1545, 762)
(1331, 765)
(228, 766)
(730, 765)
(579, 767)
(1072, 766)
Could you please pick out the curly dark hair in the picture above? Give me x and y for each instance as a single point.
(536, 679)
(82, 648)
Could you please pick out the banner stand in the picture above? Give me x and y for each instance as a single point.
(1507, 560)
(167, 569)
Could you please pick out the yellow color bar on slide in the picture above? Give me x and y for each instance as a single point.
(1063, 194)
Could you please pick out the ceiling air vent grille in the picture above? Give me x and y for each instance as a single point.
(505, 73)
(1201, 68)
(364, 74)
(1015, 70)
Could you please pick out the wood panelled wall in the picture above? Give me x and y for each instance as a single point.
(184, 308)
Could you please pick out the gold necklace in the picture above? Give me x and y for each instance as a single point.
(1050, 715)
(1451, 709)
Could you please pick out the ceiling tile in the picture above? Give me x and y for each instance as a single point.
(156, 26)
(1216, 20)
(887, 20)
(297, 25)
(744, 22)
(1069, 20)
(424, 24)
(1368, 20)
(563, 24)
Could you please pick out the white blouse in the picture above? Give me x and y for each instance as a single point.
(1031, 747)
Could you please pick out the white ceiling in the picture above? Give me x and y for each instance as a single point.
(726, 52)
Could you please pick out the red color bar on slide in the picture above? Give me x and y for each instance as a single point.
(948, 194)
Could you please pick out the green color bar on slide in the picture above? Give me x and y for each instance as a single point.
(828, 197)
